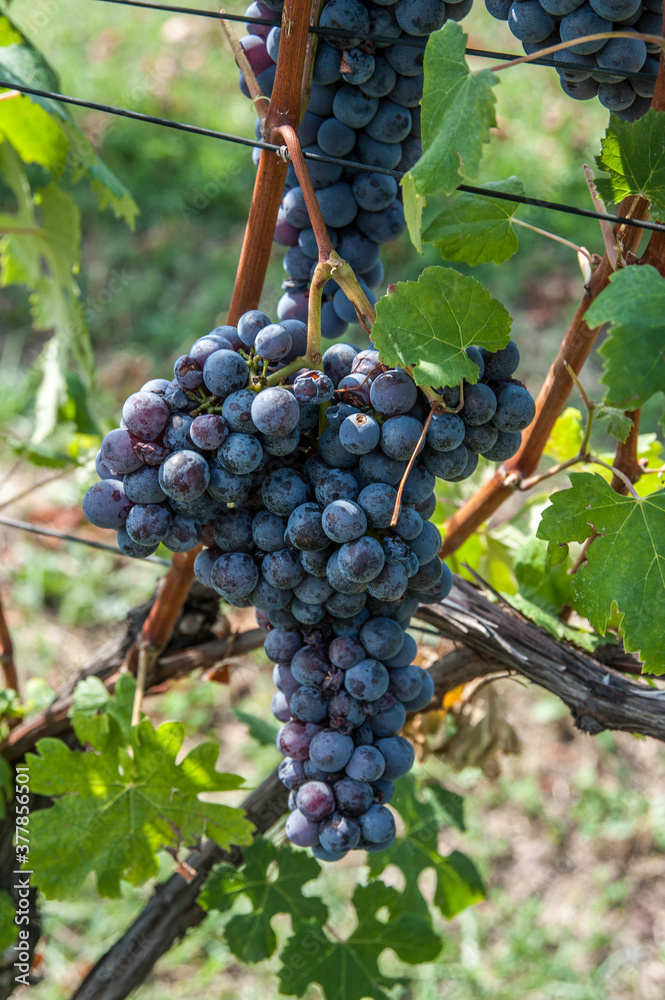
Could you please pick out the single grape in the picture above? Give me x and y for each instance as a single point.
(366, 764)
(283, 491)
(393, 393)
(235, 574)
(184, 475)
(225, 372)
(310, 666)
(118, 454)
(339, 833)
(291, 773)
(315, 800)
(343, 520)
(106, 504)
(308, 704)
(301, 831)
(330, 750)
(353, 797)
(398, 755)
(142, 485)
(148, 524)
(145, 415)
(367, 680)
(294, 739)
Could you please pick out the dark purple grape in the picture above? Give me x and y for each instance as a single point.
(234, 574)
(377, 824)
(209, 431)
(367, 680)
(142, 485)
(184, 534)
(398, 755)
(148, 524)
(184, 475)
(330, 750)
(345, 651)
(145, 414)
(393, 393)
(282, 646)
(291, 773)
(118, 454)
(189, 372)
(339, 832)
(305, 529)
(280, 707)
(382, 637)
(106, 504)
(308, 704)
(282, 569)
(313, 387)
(353, 797)
(310, 666)
(301, 831)
(294, 739)
(366, 764)
(275, 411)
(315, 800)
(225, 372)
(282, 676)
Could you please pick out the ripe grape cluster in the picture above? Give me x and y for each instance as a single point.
(364, 107)
(292, 489)
(594, 68)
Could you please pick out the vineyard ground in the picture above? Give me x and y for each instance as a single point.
(569, 838)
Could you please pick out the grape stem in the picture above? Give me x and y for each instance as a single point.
(434, 407)
(259, 100)
(611, 242)
(593, 259)
(7, 664)
(652, 39)
(341, 271)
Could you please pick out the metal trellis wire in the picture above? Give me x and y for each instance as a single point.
(317, 157)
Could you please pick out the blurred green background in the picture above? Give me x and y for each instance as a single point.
(569, 836)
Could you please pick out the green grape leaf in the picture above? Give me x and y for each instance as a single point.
(458, 883)
(414, 206)
(8, 927)
(625, 568)
(567, 435)
(348, 970)
(36, 140)
(457, 115)
(448, 806)
(476, 229)
(33, 133)
(557, 553)
(633, 154)
(250, 935)
(119, 809)
(634, 351)
(618, 422)
(541, 583)
(430, 322)
(259, 729)
(99, 719)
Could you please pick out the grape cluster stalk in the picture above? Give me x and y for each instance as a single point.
(364, 107)
(299, 494)
(604, 62)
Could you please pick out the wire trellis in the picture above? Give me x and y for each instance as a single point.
(407, 40)
(317, 157)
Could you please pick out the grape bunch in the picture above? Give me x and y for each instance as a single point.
(364, 107)
(292, 489)
(595, 68)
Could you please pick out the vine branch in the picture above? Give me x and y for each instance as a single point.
(9, 672)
